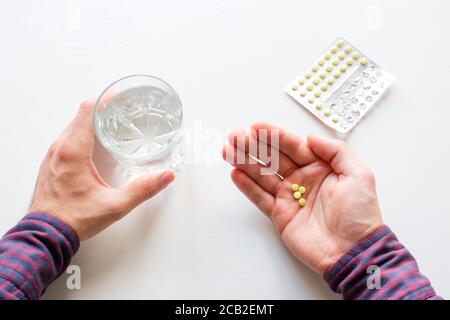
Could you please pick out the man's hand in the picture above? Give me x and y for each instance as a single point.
(341, 203)
(70, 188)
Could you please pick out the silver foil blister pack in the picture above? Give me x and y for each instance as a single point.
(341, 86)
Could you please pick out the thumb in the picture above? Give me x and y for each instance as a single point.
(145, 188)
(337, 154)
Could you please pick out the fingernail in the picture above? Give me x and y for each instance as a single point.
(167, 177)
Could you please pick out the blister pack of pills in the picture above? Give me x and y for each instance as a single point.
(341, 86)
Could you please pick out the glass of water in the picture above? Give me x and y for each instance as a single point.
(138, 120)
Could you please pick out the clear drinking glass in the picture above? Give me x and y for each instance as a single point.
(138, 119)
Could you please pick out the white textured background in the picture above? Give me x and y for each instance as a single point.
(229, 62)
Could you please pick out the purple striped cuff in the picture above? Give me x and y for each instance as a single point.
(379, 267)
(33, 254)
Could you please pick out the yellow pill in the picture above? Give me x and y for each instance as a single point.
(297, 195)
(349, 62)
(330, 81)
(327, 56)
(311, 100)
(329, 69)
(308, 75)
(301, 189)
(335, 119)
(356, 55)
(340, 43)
(294, 87)
(309, 87)
(302, 202)
(343, 69)
(334, 50)
(337, 74)
(294, 187)
(303, 94)
(342, 56)
(335, 62)
(315, 68)
(323, 75)
(317, 94)
(321, 63)
(318, 106)
(363, 61)
(301, 82)
(324, 87)
(316, 81)
(327, 113)
(348, 49)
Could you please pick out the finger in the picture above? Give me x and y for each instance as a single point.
(335, 152)
(82, 124)
(289, 144)
(260, 150)
(259, 173)
(261, 198)
(80, 132)
(143, 189)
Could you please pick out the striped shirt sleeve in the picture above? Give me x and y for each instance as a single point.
(379, 267)
(33, 254)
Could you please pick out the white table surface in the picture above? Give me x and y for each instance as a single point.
(229, 61)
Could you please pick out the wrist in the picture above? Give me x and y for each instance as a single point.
(344, 246)
(351, 261)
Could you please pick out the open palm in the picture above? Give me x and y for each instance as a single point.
(341, 205)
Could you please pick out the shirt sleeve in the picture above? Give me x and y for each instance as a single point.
(33, 254)
(379, 267)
